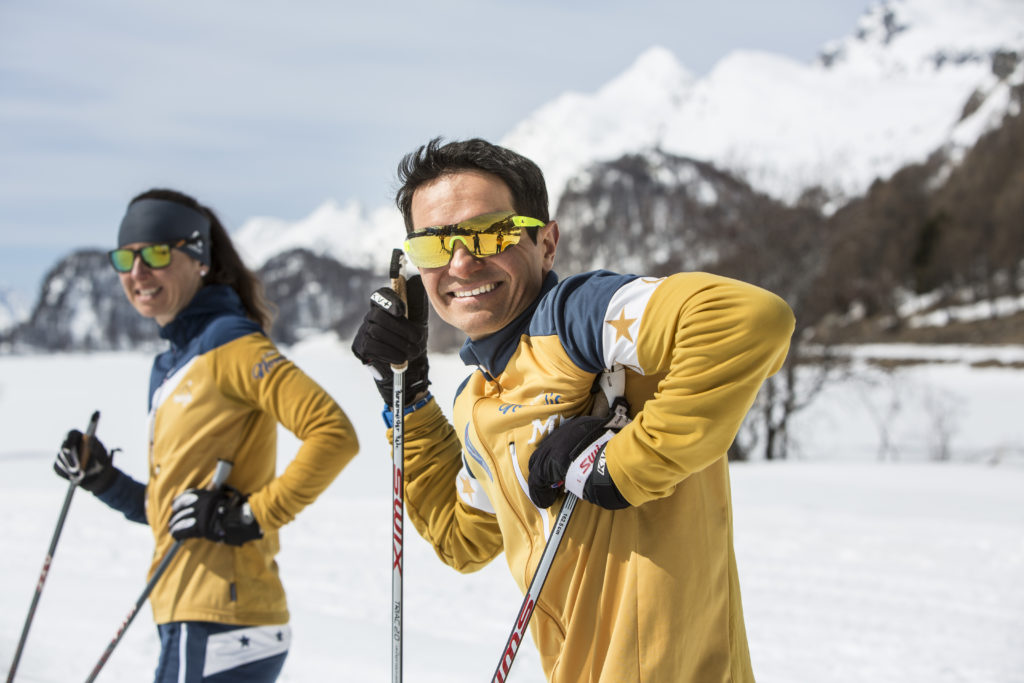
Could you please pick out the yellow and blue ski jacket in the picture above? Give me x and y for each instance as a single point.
(649, 593)
(219, 392)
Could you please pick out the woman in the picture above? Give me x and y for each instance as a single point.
(218, 392)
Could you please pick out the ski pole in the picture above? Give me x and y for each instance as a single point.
(613, 384)
(508, 655)
(220, 475)
(397, 482)
(72, 484)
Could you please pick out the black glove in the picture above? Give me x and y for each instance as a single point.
(572, 457)
(223, 516)
(97, 474)
(388, 338)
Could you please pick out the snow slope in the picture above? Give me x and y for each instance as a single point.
(852, 569)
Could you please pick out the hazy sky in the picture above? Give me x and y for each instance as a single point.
(270, 108)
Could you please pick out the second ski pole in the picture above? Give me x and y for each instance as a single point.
(72, 484)
(518, 633)
(613, 385)
(220, 475)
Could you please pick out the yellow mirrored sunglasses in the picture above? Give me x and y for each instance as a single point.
(155, 256)
(485, 235)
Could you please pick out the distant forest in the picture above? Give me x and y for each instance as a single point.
(956, 234)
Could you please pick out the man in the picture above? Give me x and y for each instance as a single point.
(644, 586)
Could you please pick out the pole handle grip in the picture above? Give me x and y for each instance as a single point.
(397, 274)
(90, 432)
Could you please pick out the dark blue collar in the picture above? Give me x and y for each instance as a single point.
(211, 301)
(493, 352)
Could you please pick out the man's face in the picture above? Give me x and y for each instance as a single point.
(480, 295)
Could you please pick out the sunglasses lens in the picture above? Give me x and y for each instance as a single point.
(122, 260)
(484, 243)
(482, 236)
(156, 255)
(434, 251)
(427, 251)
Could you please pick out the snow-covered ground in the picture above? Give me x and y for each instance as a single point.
(853, 568)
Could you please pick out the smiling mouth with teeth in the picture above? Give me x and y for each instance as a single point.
(483, 289)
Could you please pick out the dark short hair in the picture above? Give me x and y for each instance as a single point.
(431, 161)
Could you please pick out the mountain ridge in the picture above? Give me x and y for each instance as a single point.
(890, 93)
(639, 160)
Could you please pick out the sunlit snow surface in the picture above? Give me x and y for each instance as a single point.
(852, 569)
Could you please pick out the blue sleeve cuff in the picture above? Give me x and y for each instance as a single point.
(389, 416)
(128, 497)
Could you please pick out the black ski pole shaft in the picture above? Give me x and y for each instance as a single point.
(220, 475)
(508, 655)
(72, 484)
(397, 483)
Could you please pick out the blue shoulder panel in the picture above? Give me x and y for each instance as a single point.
(574, 310)
(217, 333)
(225, 329)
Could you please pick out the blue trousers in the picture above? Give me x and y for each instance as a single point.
(204, 652)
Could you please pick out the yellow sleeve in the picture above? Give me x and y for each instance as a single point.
(463, 537)
(716, 340)
(256, 373)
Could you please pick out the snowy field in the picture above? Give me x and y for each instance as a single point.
(860, 560)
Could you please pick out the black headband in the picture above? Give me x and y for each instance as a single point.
(165, 221)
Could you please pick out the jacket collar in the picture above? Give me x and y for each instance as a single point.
(492, 353)
(210, 302)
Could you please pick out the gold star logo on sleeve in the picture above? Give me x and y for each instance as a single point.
(622, 325)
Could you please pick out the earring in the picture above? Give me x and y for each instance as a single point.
(202, 273)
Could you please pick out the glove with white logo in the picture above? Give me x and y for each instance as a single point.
(91, 467)
(223, 516)
(572, 457)
(387, 337)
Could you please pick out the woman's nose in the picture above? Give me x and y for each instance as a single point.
(139, 266)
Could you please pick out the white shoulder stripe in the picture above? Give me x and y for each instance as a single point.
(623, 320)
(161, 394)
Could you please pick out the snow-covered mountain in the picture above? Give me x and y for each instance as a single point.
(889, 94)
(13, 309)
(912, 77)
(348, 233)
(698, 171)
(81, 306)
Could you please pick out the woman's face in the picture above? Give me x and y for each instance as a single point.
(161, 293)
